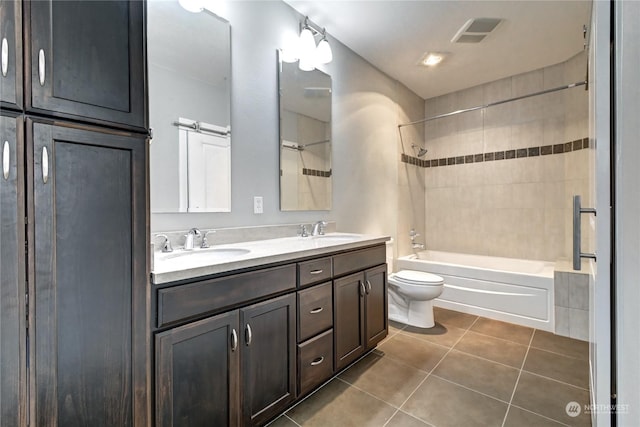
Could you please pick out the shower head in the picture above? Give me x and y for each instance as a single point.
(420, 151)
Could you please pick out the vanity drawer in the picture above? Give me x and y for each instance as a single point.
(314, 271)
(359, 260)
(315, 361)
(315, 310)
(208, 296)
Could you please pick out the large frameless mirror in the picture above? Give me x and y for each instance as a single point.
(189, 68)
(305, 138)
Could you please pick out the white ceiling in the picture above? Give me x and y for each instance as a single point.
(393, 35)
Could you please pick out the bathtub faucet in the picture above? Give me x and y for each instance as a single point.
(415, 245)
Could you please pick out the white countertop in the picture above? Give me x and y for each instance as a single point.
(181, 264)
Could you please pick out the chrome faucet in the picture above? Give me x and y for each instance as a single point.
(318, 228)
(415, 245)
(303, 231)
(189, 238)
(205, 243)
(166, 244)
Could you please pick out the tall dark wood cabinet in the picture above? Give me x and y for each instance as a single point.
(74, 306)
(86, 60)
(11, 58)
(88, 265)
(12, 274)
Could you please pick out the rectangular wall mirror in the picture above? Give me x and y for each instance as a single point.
(189, 67)
(305, 138)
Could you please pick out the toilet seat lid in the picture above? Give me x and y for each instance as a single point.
(418, 277)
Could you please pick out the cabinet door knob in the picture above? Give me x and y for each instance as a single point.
(248, 335)
(368, 287)
(5, 57)
(6, 154)
(234, 340)
(45, 165)
(41, 67)
(316, 310)
(317, 361)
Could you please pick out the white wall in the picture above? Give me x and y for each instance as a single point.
(367, 106)
(627, 208)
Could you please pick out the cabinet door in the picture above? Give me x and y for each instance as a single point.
(197, 373)
(376, 324)
(268, 358)
(86, 60)
(12, 338)
(348, 295)
(11, 47)
(89, 292)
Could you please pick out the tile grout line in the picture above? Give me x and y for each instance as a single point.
(430, 372)
(515, 386)
(540, 415)
(556, 380)
(291, 419)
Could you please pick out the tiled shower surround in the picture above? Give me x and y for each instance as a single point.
(506, 174)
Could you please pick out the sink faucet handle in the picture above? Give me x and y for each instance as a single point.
(166, 244)
(303, 231)
(205, 243)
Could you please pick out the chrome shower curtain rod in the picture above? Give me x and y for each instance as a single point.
(517, 98)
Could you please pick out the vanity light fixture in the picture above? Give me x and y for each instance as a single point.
(310, 54)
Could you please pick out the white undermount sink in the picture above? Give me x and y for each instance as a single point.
(210, 254)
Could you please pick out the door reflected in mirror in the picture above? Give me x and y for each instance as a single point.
(189, 68)
(305, 138)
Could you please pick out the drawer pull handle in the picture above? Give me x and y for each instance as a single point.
(316, 310)
(368, 287)
(6, 154)
(41, 67)
(316, 271)
(317, 361)
(248, 335)
(234, 340)
(5, 57)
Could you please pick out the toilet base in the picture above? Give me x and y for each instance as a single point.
(419, 314)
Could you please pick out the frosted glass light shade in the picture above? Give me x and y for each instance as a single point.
(323, 52)
(306, 65)
(307, 45)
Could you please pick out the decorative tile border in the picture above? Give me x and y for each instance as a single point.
(315, 172)
(543, 150)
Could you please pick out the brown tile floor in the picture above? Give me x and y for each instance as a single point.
(467, 371)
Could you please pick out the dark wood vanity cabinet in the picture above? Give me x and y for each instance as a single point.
(236, 368)
(268, 358)
(86, 61)
(360, 305)
(198, 373)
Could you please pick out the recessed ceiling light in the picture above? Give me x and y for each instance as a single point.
(431, 59)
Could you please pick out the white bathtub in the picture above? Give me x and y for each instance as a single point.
(513, 290)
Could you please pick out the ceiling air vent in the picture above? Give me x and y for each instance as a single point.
(475, 30)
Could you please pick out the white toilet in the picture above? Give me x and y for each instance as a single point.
(411, 295)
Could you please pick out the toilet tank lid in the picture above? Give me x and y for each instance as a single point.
(413, 276)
